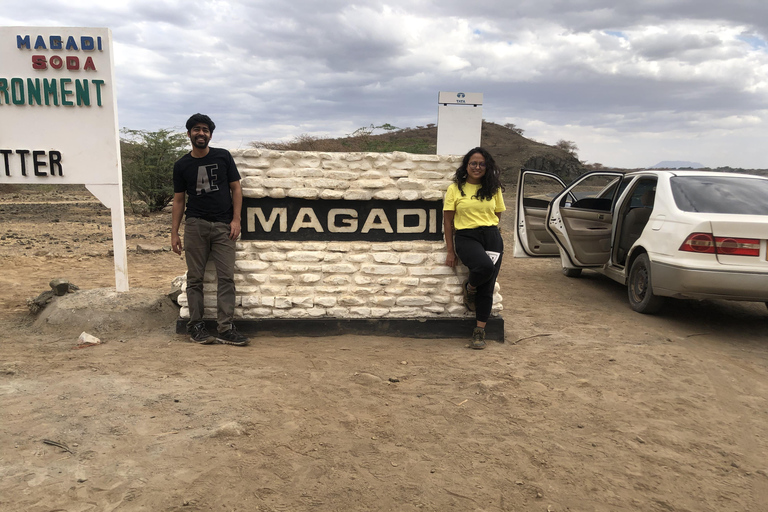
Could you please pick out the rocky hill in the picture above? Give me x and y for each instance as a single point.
(511, 150)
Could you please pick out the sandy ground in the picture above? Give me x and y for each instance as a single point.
(587, 407)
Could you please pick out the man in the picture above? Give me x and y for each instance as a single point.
(209, 177)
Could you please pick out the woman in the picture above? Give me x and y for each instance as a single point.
(471, 212)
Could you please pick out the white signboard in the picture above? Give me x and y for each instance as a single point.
(59, 116)
(459, 122)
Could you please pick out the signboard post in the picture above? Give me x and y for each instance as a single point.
(58, 109)
(459, 122)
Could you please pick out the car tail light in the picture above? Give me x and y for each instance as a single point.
(706, 243)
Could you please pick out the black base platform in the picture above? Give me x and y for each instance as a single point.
(400, 328)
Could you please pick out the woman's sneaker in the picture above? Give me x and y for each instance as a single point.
(478, 339)
(232, 337)
(199, 334)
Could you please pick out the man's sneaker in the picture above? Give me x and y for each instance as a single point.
(232, 337)
(469, 295)
(199, 334)
(478, 339)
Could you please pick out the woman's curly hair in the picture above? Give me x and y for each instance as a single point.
(490, 182)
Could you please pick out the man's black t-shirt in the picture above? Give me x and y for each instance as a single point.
(206, 182)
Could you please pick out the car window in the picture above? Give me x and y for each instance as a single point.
(643, 194)
(592, 193)
(539, 190)
(720, 194)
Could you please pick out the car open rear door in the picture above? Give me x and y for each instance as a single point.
(535, 189)
(580, 219)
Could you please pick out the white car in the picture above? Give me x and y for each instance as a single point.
(662, 233)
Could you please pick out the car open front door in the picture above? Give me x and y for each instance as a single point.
(535, 189)
(580, 220)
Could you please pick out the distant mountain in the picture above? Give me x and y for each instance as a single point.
(677, 164)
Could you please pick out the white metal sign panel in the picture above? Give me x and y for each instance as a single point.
(58, 106)
(460, 98)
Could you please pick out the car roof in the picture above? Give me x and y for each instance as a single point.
(694, 172)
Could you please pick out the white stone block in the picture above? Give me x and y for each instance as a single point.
(435, 309)
(398, 173)
(337, 280)
(430, 271)
(281, 279)
(330, 195)
(379, 312)
(387, 195)
(385, 281)
(351, 300)
(413, 301)
(277, 172)
(410, 184)
(268, 301)
(360, 312)
(257, 313)
(410, 195)
(425, 158)
(340, 268)
(426, 175)
(304, 193)
(283, 302)
(386, 257)
(310, 278)
(340, 175)
(383, 270)
(276, 193)
(184, 312)
(359, 258)
(304, 302)
(270, 289)
(412, 258)
(442, 299)
(272, 256)
(308, 256)
(327, 302)
(394, 290)
(338, 312)
(316, 312)
(405, 312)
(250, 265)
(432, 195)
(358, 195)
(431, 281)
(384, 301)
(251, 301)
(409, 281)
(457, 310)
(363, 280)
(325, 183)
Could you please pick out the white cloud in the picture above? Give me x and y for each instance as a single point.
(622, 80)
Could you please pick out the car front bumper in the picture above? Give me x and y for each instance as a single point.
(687, 283)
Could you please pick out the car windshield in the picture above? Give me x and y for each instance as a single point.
(721, 194)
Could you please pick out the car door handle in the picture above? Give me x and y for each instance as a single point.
(601, 217)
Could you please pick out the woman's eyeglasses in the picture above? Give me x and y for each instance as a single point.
(475, 165)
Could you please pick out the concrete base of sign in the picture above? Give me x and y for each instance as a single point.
(401, 328)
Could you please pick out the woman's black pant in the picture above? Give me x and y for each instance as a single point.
(471, 246)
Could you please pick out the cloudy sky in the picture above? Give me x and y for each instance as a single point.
(631, 83)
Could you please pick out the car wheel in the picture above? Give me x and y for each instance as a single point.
(641, 296)
(571, 272)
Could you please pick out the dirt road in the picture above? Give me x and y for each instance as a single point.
(587, 407)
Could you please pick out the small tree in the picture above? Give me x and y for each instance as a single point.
(514, 128)
(567, 145)
(147, 159)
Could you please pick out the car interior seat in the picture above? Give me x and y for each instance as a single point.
(634, 223)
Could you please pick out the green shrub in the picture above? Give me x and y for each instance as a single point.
(147, 159)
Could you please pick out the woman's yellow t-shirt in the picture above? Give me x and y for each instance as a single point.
(470, 211)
